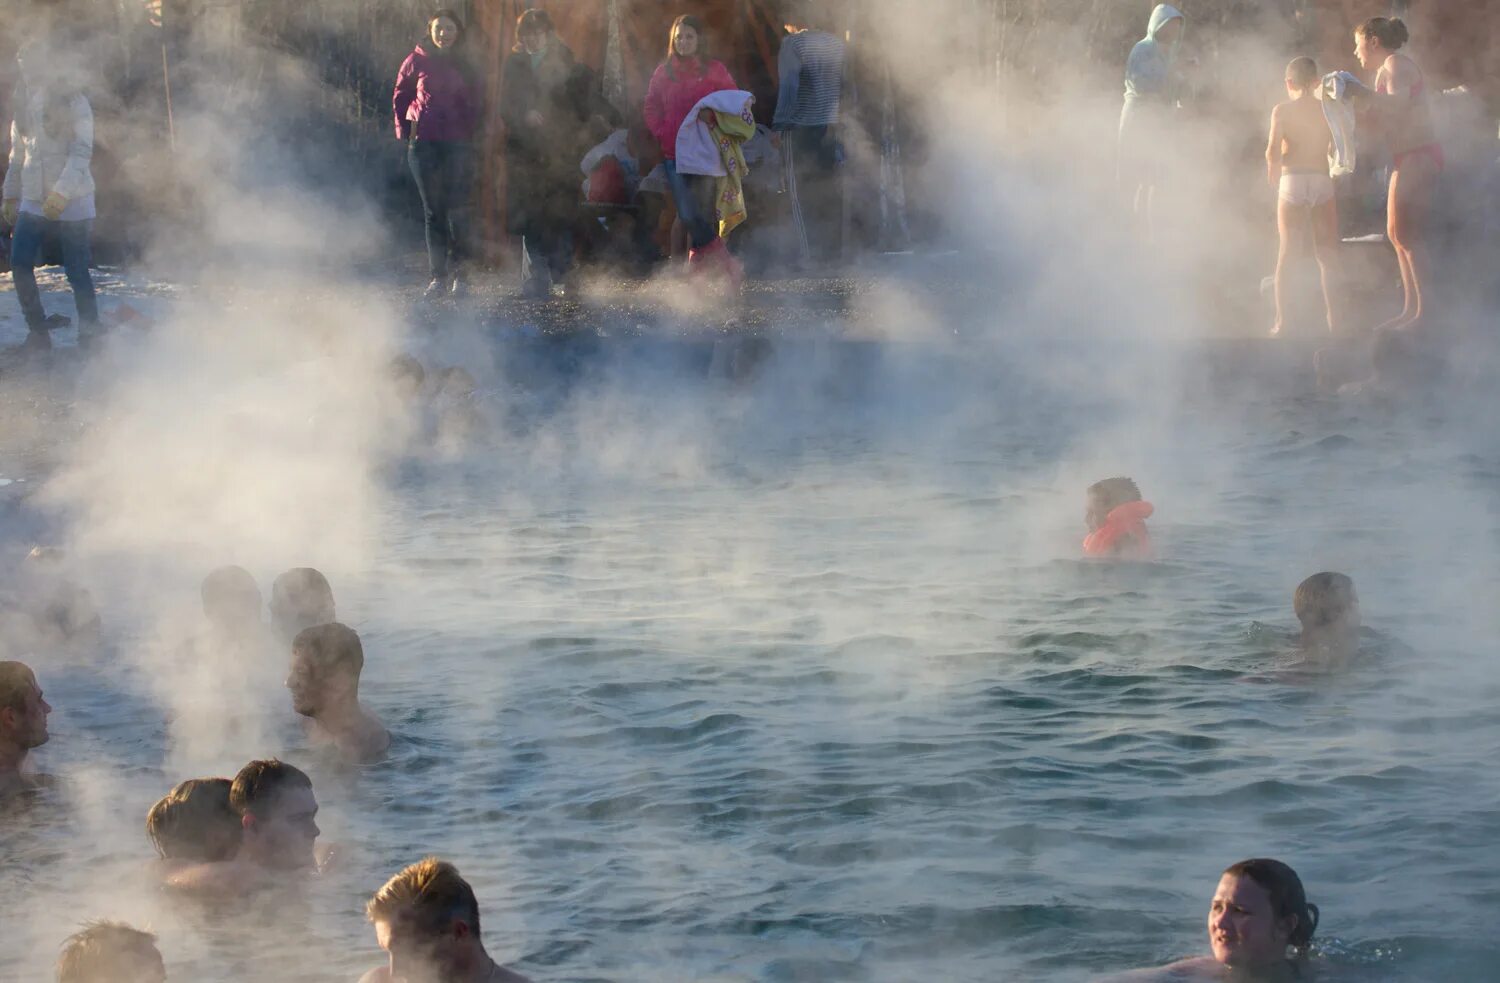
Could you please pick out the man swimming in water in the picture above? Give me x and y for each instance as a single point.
(23, 722)
(194, 823)
(300, 598)
(279, 832)
(51, 611)
(324, 682)
(1116, 517)
(426, 918)
(1328, 609)
(1259, 927)
(111, 952)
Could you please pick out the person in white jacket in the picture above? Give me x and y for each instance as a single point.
(49, 192)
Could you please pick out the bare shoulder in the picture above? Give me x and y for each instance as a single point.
(380, 974)
(507, 976)
(210, 879)
(1182, 971)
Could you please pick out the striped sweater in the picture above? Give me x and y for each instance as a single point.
(812, 74)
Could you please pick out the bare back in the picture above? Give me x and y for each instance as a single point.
(1305, 136)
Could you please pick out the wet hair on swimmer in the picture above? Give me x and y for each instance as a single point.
(194, 821)
(1302, 72)
(259, 783)
(96, 953)
(1322, 599)
(301, 590)
(230, 590)
(431, 892)
(16, 682)
(1287, 895)
(1114, 491)
(1389, 32)
(332, 648)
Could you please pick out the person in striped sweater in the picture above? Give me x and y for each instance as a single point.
(811, 67)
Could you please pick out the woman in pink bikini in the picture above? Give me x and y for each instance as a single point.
(1401, 108)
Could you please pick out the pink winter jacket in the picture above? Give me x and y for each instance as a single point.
(434, 99)
(669, 100)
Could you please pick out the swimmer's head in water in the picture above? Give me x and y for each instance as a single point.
(110, 952)
(194, 821)
(1107, 495)
(1258, 912)
(427, 919)
(1327, 602)
(407, 376)
(1301, 73)
(278, 814)
(231, 596)
(326, 663)
(301, 598)
(23, 711)
(456, 380)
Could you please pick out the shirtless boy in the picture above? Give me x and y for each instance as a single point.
(1297, 167)
(427, 920)
(324, 682)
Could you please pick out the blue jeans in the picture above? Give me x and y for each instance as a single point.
(26, 241)
(444, 172)
(693, 194)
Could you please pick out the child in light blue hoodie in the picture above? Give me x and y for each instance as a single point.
(1150, 97)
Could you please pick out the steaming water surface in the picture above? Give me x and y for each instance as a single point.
(744, 685)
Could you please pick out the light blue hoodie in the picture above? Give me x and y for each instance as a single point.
(1148, 72)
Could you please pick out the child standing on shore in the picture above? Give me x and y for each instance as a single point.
(1297, 167)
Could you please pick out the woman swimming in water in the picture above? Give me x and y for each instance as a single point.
(1259, 927)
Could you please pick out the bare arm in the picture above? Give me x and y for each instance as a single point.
(1273, 148)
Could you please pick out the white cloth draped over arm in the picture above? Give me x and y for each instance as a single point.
(12, 190)
(75, 181)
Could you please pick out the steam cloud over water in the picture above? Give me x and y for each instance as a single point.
(797, 676)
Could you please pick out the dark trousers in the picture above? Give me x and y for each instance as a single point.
(811, 156)
(444, 172)
(26, 242)
(693, 194)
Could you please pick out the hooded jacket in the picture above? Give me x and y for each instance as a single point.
(1148, 71)
(1123, 533)
(670, 97)
(434, 97)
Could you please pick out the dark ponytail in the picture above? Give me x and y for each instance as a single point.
(1389, 32)
(1287, 895)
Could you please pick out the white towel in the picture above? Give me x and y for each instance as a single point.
(696, 151)
(1340, 117)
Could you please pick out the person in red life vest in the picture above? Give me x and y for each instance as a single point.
(678, 83)
(436, 105)
(1116, 519)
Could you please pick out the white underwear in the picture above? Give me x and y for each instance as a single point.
(1306, 189)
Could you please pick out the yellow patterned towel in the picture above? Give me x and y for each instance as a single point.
(730, 131)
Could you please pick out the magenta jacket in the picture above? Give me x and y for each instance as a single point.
(670, 99)
(434, 98)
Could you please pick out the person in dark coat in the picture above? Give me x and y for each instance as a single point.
(436, 104)
(549, 109)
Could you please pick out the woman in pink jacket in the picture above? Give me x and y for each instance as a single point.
(678, 83)
(437, 106)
